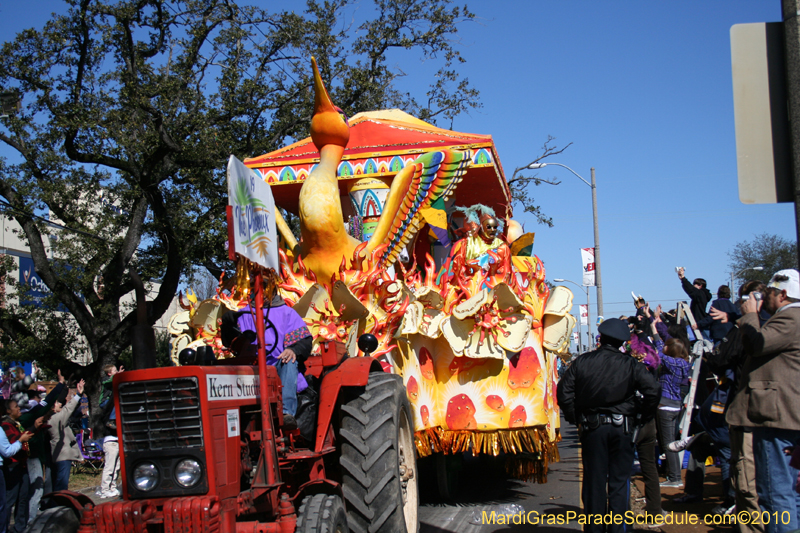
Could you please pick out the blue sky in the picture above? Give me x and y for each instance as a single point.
(643, 92)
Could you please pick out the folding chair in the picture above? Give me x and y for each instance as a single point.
(93, 456)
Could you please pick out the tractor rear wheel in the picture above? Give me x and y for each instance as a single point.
(55, 520)
(378, 458)
(322, 513)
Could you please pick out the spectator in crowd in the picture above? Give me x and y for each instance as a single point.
(711, 438)
(63, 445)
(16, 470)
(730, 353)
(717, 328)
(674, 372)
(699, 295)
(712, 435)
(768, 400)
(31, 401)
(110, 371)
(108, 432)
(646, 439)
(5, 384)
(7, 451)
(39, 447)
(13, 377)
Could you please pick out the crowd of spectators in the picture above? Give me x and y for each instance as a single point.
(744, 358)
(38, 444)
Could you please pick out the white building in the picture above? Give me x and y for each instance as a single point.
(12, 245)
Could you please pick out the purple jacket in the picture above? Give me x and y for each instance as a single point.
(674, 373)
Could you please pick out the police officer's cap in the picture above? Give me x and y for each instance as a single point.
(615, 328)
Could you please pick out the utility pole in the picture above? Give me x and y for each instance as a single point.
(791, 35)
(597, 282)
(588, 302)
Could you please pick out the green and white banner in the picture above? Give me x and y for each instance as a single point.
(254, 232)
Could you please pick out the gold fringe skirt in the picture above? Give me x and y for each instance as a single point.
(529, 450)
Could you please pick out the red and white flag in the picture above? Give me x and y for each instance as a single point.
(587, 255)
(584, 314)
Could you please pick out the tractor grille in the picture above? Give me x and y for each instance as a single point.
(160, 414)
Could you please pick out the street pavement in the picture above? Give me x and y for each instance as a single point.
(484, 487)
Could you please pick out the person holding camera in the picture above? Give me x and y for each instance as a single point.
(598, 393)
(731, 354)
(767, 398)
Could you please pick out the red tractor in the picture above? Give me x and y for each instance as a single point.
(203, 450)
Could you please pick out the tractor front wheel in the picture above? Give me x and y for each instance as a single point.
(322, 513)
(379, 469)
(55, 520)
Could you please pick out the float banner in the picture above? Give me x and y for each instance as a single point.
(253, 210)
(587, 255)
(584, 314)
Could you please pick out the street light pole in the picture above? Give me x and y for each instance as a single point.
(597, 279)
(585, 289)
(737, 275)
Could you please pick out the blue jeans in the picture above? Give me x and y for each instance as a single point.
(775, 479)
(288, 374)
(17, 497)
(61, 475)
(3, 509)
(724, 453)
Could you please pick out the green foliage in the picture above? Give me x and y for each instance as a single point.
(769, 251)
(163, 347)
(129, 113)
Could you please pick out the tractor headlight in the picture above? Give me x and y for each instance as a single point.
(188, 472)
(145, 476)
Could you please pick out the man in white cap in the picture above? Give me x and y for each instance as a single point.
(768, 401)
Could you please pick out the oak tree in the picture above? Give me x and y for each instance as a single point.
(127, 112)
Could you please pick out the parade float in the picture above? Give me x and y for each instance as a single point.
(406, 233)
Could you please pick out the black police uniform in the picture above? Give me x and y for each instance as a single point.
(598, 393)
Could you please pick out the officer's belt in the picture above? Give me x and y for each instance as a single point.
(594, 420)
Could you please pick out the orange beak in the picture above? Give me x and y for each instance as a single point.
(327, 125)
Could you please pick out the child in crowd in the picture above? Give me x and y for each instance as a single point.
(110, 371)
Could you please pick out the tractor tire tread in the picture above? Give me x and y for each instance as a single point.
(354, 440)
(376, 425)
(55, 520)
(321, 513)
(379, 378)
(352, 411)
(370, 454)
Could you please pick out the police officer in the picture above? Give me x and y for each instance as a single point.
(598, 393)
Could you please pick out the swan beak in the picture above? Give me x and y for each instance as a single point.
(322, 100)
(327, 126)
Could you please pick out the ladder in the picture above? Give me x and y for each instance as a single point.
(688, 402)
